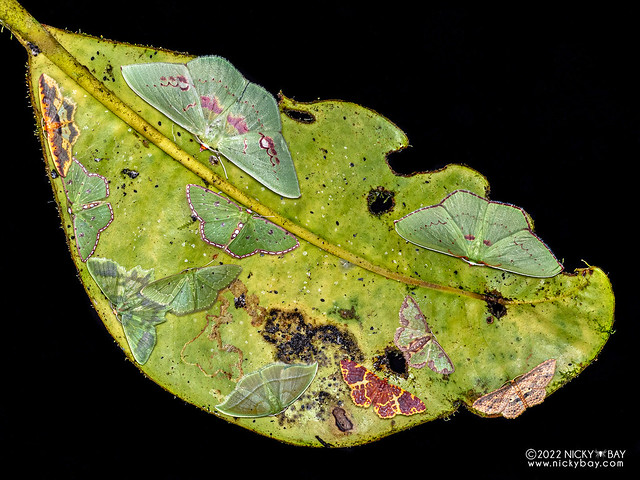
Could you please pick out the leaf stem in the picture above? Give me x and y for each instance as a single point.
(31, 33)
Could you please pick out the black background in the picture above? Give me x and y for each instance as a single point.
(539, 99)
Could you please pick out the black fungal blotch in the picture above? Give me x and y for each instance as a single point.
(299, 341)
(130, 173)
(495, 306)
(380, 201)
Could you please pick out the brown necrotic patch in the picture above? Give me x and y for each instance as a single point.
(342, 420)
(249, 302)
(380, 201)
(300, 341)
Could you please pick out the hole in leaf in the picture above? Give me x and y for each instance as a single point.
(380, 201)
(299, 115)
(397, 362)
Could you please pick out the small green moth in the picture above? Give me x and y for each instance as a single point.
(193, 290)
(268, 391)
(227, 114)
(481, 232)
(139, 315)
(416, 341)
(239, 232)
(90, 212)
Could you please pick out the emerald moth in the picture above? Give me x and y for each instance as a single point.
(86, 193)
(137, 314)
(192, 290)
(227, 114)
(140, 302)
(269, 390)
(481, 232)
(60, 129)
(416, 341)
(239, 232)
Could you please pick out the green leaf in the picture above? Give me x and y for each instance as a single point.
(336, 296)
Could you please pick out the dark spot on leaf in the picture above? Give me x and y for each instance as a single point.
(240, 302)
(33, 49)
(130, 173)
(396, 361)
(299, 341)
(348, 314)
(380, 201)
(299, 115)
(495, 305)
(342, 421)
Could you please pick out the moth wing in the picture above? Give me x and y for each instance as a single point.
(265, 156)
(412, 317)
(417, 358)
(249, 398)
(88, 224)
(408, 339)
(219, 86)
(208, 281)
(140, 335)
(201, 288)
(532, 385)
(82, 187)
(258, 110)
(524, 253)
(494, 403)
(288, 382)
(435, 229)
(219, 216)
(169, 88)
(260, 235)
(108, 275)
(268, 391)
(165, 290)
(436, 358)
(193, 290)
(513, 407)
(60, 130)
(468, 211)
(122, 287)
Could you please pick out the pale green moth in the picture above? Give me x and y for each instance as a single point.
(481, 232)
(90, 212)
(227, 114)
(192, 290)
(268, 391)
(139, 315)
(416, 341)
(239, 232)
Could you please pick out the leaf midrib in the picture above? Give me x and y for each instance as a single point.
(30, 32)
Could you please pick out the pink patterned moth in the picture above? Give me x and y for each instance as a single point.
(417, 342)
(239, 232)
(227, 114)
